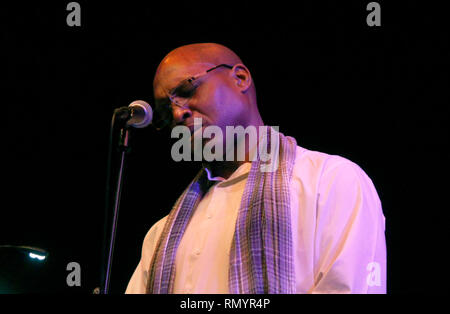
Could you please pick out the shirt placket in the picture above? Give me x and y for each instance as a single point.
(194, 257)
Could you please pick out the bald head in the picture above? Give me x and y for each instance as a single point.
(189, 59)
(224, 96)
(209, 54)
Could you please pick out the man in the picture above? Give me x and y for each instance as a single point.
(314, 224)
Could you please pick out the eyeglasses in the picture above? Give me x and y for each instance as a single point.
(181, 94)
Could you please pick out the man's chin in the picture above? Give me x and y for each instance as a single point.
(199, 149)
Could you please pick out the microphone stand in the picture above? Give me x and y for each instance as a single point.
(123, 148)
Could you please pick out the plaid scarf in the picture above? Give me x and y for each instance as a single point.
(261, 258)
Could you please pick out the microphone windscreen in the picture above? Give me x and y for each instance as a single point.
(142, 114)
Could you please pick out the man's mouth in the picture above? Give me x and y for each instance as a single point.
(192, 129)
(197, 137)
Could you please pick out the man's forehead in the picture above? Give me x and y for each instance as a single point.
(176, 70)
(169, 74)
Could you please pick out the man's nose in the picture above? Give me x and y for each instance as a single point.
(180, 114)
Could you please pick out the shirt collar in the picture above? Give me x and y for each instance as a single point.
(238, 174)
(210, 178)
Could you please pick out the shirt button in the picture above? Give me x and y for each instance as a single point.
(209, 216)
(197, 252)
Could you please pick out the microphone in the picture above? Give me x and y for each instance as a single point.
(138, 114)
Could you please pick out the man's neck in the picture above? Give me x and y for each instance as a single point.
(226, 168)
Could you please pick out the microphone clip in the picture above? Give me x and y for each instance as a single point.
(121, 116)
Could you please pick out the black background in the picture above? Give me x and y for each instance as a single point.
(375, 95)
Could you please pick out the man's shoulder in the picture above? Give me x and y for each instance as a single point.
(155, 230)
(318, 160)
(319, 164)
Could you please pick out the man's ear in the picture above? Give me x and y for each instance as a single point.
(242, 77)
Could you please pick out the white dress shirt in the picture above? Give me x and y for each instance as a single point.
(337, 224)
